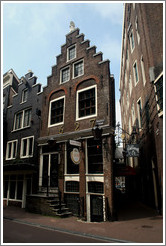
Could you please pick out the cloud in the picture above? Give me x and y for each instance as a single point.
(111, 11)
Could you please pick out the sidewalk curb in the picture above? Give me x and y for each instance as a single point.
(68, 231)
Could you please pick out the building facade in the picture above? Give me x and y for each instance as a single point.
(141, 101)
(79, 96)
(10, 88)
(20, 167)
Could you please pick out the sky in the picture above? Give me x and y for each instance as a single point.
(33, 32)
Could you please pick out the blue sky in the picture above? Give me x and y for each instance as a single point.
(33, 33)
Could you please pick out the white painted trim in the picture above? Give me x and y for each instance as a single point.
(70, 47)
(7, 149)
(136, 82)
(79, 61)
(27, 147)
(72, 177)
(77, 103)
(61, 71)
(49, 114)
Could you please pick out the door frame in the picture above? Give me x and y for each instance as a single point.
(49, 166)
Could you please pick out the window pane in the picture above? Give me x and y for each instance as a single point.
(14, 149)
(57, 111)
(18, 121)
(9, 150)
(71, 53)
(95, 187)
(24, 147)
(30, 146)
(27, 117)
(78, 69)
(12, 189)
(65, 74)
(95, 156)
(87, 103)
(72, 186)
(19, 190)
(5, 189)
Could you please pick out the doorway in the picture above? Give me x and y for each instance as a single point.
(50, 170)
(96, 208)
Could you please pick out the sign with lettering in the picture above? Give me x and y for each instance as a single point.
(75, 143)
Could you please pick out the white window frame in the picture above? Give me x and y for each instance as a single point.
(130, 84)
(136, 81)
(158, 107)
(27, 147)
(61, 72)
(133, 113)
(77, 103)
(49, 115)
(22, 96)
(132, 36)
(74, 69)
(22, 120)
(138, 112)
(12, 150)
(136, 28)
(68, 50)
(143, 70)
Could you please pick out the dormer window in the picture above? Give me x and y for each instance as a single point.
(71, 53)
(24, 95)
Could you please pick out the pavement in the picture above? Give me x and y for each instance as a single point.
(136, 224)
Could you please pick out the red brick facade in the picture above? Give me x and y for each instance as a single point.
(141, 73)
(94, 77)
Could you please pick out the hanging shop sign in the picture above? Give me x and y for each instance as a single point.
(75, 156)
(132, 150)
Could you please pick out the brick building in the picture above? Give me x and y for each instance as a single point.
(10, 88)
(78, 96)
(141, 87)
(20, 167)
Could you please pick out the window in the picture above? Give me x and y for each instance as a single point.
(71, 53)
(78, 69)
(95, 187)
(136, 28)
(56, 111)
(24, 95)
(22, 119)
(139, 108)
(27, 117)
(13, 187)
(133, 113)
(72, 186)
(27, 147)
(11, 150)
(95, 156)
(65, 74)
(158, 85)
(86, 103)
(130, 84)
(143, 70)
(135, 68)
(132, 45)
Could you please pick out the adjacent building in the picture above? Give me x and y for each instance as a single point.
(76, 139)
(22, 102)
(141, 101)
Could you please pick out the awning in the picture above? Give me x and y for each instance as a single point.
(125, 171)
